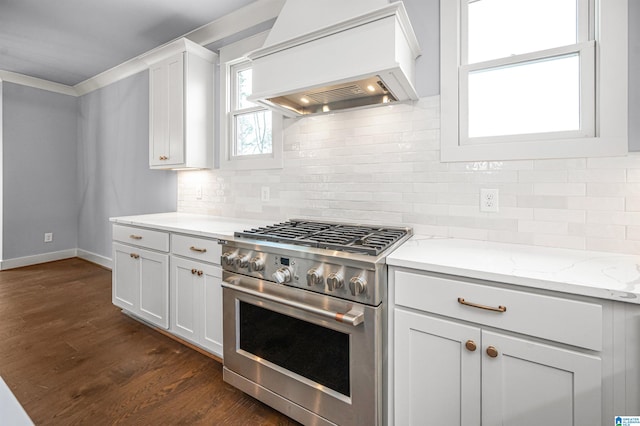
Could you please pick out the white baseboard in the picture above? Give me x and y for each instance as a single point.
(38, 258)
(98, 259)
(19, 262)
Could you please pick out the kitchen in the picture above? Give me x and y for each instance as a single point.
(374, 166)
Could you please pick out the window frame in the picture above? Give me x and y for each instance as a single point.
(232, 56)
(602, 47)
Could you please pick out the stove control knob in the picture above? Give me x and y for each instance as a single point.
(314, 277)
(282, 275)
(357, 285)
(334, 281)
(229, 257)
(242, 261)
(256, 264)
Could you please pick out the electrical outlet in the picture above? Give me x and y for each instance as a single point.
(265, 194)
(489, 200)
(198, 192)
(48, 237)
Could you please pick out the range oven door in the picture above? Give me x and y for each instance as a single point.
(316, 358)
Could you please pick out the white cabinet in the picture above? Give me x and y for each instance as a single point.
(173, 281)
(181, 108)
(196, 292)
(466, 353)
(452, 373)
(141, 283)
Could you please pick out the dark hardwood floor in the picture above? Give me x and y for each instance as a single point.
(71, 357)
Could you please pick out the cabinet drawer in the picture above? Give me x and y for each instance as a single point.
(562, 320)
(156, 240)
(202, 249)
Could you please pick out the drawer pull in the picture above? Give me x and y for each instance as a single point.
(492, 351)
(471, 345)
(194, 271)
(488, 308)
(135, 256)
(135, 237)
(200, 273)
(199, 250)
(163, 158)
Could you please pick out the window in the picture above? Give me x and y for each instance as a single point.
(533, 79)
(251, 134)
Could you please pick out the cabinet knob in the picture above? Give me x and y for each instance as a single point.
(194, 271)
(200, 273)
(492, 351)
(470, 345)
(135, 256)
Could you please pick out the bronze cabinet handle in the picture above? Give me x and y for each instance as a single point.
(163, 157)
(488, 308)
(193, 271)
(199, 250)
(135, 256)
(492, 351)
(200, 273)
(470, 345)
(135, 237)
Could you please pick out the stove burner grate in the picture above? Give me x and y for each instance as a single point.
(367, 240)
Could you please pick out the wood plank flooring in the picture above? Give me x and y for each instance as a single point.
(71, 357)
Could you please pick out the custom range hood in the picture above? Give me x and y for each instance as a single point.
(329, 55)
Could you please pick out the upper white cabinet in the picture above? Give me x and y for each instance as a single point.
(181, 107)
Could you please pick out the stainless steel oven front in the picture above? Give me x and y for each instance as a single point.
(314, 357)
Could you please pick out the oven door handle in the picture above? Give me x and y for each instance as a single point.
(352, 317)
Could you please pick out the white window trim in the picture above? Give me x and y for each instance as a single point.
(229, 56)
(611, 105)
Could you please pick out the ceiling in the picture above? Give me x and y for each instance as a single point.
(70, 41)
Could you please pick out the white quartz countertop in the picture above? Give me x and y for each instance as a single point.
(187, 223)
(588, 273)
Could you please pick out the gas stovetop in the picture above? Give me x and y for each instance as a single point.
(361, 239)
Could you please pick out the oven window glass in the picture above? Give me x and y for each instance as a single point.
(317, 353)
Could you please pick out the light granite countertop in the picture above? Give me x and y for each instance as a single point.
(187, 223)
(588, 273)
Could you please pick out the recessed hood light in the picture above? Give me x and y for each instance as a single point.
(347, 54)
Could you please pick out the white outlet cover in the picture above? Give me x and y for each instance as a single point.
(265, 196)
(489, 200)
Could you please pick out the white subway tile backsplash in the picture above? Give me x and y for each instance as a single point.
(382, 165)
(564, 189)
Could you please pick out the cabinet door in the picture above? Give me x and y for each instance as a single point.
(125, 278)
(154, 287)
(212, 306)
(534, 384)
(166, 112)
(185, 296)
(437, 379)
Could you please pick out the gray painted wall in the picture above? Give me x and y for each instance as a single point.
(634, 75)
(38, 171)
(113, 177)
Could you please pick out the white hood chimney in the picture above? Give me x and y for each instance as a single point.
(328, 55)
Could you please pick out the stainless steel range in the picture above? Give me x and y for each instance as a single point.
(304, 318)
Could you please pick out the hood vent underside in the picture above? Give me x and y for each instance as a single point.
(369, 91)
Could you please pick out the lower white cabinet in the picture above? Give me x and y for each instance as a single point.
(468, 352)
(459, 374)
(141, 283)
(196, 303)
(172, 281)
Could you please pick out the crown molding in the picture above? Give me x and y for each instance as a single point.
(38, 83)
(242, 19)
